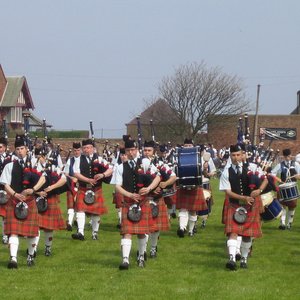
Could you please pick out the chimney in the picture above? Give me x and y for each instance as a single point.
(298, 102)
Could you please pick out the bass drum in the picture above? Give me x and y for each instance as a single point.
(188, 169)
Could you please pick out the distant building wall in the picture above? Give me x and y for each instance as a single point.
(223, 130)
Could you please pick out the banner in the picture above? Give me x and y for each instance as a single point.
(278, 133)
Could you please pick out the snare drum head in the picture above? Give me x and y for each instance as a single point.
(267, 198)
(287, 185)
(207, 194)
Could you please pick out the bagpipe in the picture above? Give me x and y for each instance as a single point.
(262, 157)
(99, 166)
(143, 175)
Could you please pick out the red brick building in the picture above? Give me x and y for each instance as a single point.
(278, 131)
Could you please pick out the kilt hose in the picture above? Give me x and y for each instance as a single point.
(145, 225)
(70, 200)
(191, 200)
(28, 227)
(97, 208)
(117, 199)
(161, 222)
(252, 226)
(3, 210)
(52, 218)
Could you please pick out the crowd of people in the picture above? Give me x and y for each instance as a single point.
(152, 184)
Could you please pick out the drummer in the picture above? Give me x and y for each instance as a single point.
(289, 170)
(208, 171)
(189, 201)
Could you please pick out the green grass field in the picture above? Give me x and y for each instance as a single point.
(189, 268)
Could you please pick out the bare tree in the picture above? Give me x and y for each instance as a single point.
(196, 93)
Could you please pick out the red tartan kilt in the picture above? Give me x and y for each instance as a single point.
(52, 218)
(145, 225)
(161, 222)
(97, 208)
(3, 210)
(251, 228)
(192, 200)
(28, 227)
(70, 200)
(117, 199)
(290, 204)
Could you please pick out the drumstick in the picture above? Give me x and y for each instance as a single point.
(291, 177)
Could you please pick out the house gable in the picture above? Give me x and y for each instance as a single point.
(17, 93)
(3, 82)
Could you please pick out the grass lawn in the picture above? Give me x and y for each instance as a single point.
(188, 268)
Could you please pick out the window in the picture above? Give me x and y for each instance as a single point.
(16, 114)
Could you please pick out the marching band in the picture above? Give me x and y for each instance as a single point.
(152, 182)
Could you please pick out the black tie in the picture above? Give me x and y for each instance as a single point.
(22, 164)
(238, 171)
(132, 164)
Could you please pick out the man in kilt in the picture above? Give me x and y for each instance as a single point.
(242, 207)
(71, 192)
(189, 201)
(5, 158)
(51, 218)
(21, 200)
(135, 182)
(168, 178)
(287, 168)
(160, 221)
(90, 170)
(117, 197)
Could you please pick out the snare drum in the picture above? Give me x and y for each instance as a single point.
(288, 191)
(267, 198)
(205, 183)
(168, 192)
(272, 211)
(188, 169)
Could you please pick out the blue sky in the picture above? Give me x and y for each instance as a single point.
(100, 60)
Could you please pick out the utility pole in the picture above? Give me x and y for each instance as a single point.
(256, 116)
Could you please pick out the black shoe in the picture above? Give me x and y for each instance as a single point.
(180, 233)
(30, 260)
(231, 264)
(238, 257)
(173, 215)
(124, 266)
(141, 262)
(153, 253)
(243, 264)
(191, 233)
(289, 226)
(12, 264)
(69, 227)
(47, 251)
(78, 236)
(282, 227)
